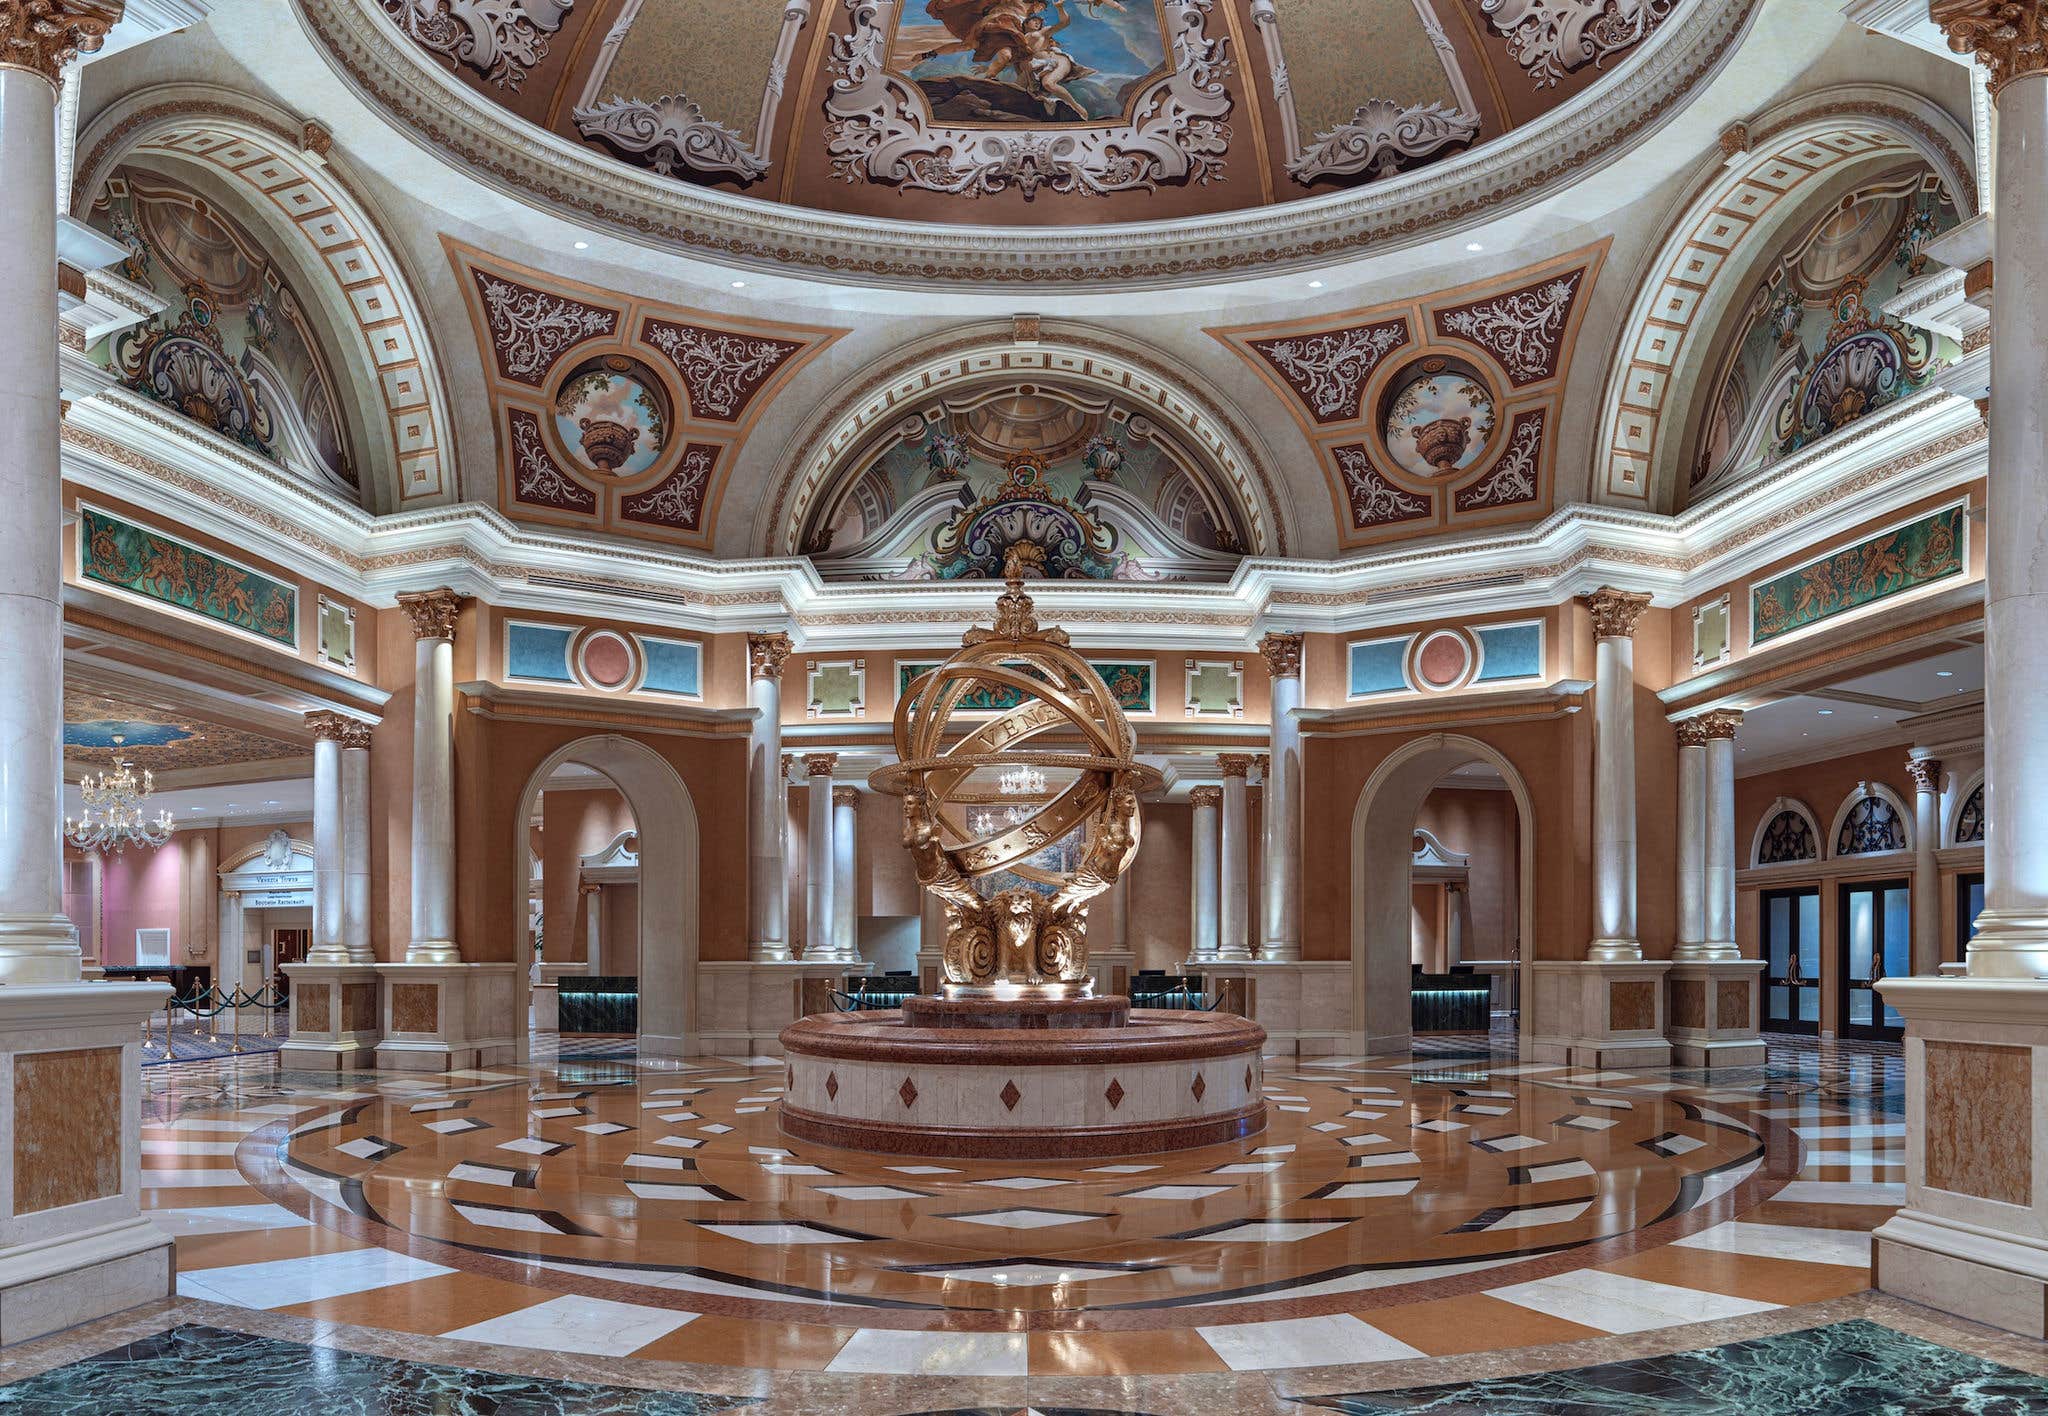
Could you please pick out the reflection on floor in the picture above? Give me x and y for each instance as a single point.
(1452, 1215)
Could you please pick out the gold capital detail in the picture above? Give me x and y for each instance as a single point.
(1282, 653)
(846, 796)
(2006, 36)
(1206, 796)
(1721, 723)
(338, 727)
(1925, 772)
(432, 612)
(1615, 612)
(820, 764)
(45, 35)
(1234, 764)
(1691, 732)
(765, 653)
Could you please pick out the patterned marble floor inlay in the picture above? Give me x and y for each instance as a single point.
(201, 1369)
(1845, 1369)
(647, 1220)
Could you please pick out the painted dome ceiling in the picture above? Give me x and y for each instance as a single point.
(1023, 113)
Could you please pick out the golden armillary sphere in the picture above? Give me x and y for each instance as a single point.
(991, 802)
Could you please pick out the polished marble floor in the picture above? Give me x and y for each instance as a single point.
(1449, 1216)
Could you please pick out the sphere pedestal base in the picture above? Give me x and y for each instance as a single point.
(1161, 1081)
(1034, 1013)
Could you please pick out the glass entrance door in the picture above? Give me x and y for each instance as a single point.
(1969, 904)
(1791, 947)
(1877, 930)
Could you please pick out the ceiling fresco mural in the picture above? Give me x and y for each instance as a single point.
(1029, 111)
(1438, 411)
(1086, 486)
(614, 413)
(236, 349)
(1811, 350)
(157, 737)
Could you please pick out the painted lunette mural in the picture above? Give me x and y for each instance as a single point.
(236, 350)
(1131, 682)
(1901, 559)
(160, 567)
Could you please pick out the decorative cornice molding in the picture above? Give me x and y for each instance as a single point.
(469, 130)
(42, 36)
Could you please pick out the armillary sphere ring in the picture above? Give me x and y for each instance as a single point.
(899, 778)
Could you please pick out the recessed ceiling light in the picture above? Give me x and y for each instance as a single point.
(1315, 285)
(1474, 246)
(739, 285)
(1826, 712)
(1944, 673)
(582, 245)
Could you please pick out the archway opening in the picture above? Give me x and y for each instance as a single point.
(590, 812)
(1441, 853)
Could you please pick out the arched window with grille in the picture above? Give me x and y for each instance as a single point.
(1787, 839)
(1872, 826)
(1970, 820)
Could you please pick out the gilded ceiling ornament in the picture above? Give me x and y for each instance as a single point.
(879, 127)
(1615, 612)
(1721, 723)
(2006, 36)
(1550, 38)
(1514, 477)
(1523, 330)
(1374, 500)
(1328, 371)
(433, 612)
(1282, 652)
(45, 35)
(765, 653)
(1383, 137)
(535, 476)
(530, 329)
(1690, 732)
(500, 39)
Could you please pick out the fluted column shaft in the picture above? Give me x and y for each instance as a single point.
(845, 865)
(1721, 849)
(1615, 613)
(433, 616)
(1926, 774)
(1692, 839)
(329, 947)
(1204, 843)
(1233, 889)
(355, 845)
(768, 803)
(1280, 896)
(818, 885)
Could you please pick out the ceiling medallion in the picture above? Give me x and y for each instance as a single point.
(1438, 418)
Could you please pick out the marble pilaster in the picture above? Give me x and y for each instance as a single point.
(819, 898)
(329, 946)
(1926, 774)
(355, 843)
(1233, 892)
(845, 865)
(1692, 838)
(1205, 843)
(1721, 727)
(434, 614)
(1615, 615)
(1280, 893)
(768, 803)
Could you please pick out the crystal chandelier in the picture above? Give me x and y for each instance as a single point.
(114, 803)
(988, 823)
(1022, 781)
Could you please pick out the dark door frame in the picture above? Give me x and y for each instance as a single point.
(1844, 985)
(1793, 982)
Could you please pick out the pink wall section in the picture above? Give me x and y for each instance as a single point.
(139, 889)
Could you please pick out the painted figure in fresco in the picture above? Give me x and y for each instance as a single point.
(1008, 41)
(1049, 63)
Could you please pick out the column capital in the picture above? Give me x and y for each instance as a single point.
(765, 653)
(1282, 652)
(1721, 723)
(1690, 732)
(1615, 612)
(820, 764)
(1205, 796)
(2006, 36)
(1235, 764)
(338, 727)
(1925, 772)
(432, 612)
(44, 35)
(846, 796)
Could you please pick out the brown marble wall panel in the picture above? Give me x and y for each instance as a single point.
(359, 1007)
(1980, 1115)
(415, 1007)
(1632, 1005)
(1731, 1003)
(67, 1127)
(1688, 1003)
(814, 995)
(314, 1003)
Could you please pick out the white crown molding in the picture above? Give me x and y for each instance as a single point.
(121, 446)
(463, 126)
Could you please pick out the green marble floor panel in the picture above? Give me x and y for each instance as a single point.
(1846, 1369)
(192, 1368)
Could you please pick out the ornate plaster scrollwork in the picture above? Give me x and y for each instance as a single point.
(500, 39)
(1523, 330)
(1374, 500)
(535, 476)
(879, 127)
(1514, 478)
(671, 135)
(1550, 38)
(1384, 137)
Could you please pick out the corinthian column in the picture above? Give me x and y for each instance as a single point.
(818, 887)
(1281, 895)
(1692, 838)
(329, 946)
(433, 614)
(1926, 774)
(845, 862)
(1207, 803)
(1721, 726)
(37, 943)
(1233, 929)
(1615, 613)
(768, 804)
(355, 842)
